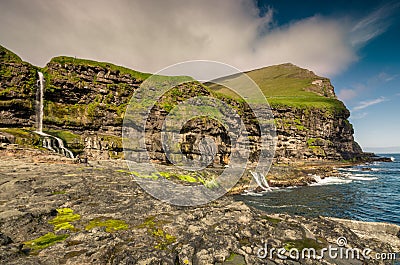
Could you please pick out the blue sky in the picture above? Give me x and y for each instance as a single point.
(355, 43)
(371, 89)
(369, 86)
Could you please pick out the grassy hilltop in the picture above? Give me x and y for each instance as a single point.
(291, 86)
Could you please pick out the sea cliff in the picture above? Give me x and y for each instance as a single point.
(85, 102)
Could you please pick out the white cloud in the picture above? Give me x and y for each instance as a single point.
(347, 94)
(358, 116)
(368, 103)
(149, 35)
(372, 25)
(385, 77)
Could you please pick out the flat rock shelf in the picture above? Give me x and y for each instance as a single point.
(53, 211)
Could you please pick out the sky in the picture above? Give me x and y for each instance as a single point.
(354, 43)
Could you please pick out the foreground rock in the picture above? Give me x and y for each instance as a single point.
(96, 214)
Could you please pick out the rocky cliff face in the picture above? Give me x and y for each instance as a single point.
(17, 90)
(83, 94)
(88, 99)
(314, 134)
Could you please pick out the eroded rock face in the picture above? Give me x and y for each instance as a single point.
(314, 134)
(90, 100)
(17, 91)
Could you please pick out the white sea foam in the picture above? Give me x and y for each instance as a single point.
(346, 174)
(252, 193)
(332, 181)
(287, 206)
(363, 175)
(362, 178)
(317, 178)
(376, 169)
(350, 169)
(261, 193)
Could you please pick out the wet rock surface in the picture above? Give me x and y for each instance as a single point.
(121, 224)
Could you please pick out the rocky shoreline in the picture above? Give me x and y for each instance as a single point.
(54, 211)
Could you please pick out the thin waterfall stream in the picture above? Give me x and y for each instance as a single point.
(260, 180)
(50, 142)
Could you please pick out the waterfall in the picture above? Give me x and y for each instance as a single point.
(55, 144)
(48, 140)
(261, 181)
(64, 150)
(40, 102)
(47, 144)
(317, 178)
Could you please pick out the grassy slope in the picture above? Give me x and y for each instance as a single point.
(112, 67)
(14, 92)
(285, 85)
(8, 56)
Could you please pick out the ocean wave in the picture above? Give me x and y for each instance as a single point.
(258, 194)
(287, 206)
(349, 169)
(252, 193)
(346, 174)
(364, 178)
(332, 181)
(363, 175)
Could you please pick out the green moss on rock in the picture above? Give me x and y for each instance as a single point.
(64, 218)
(111, 225)
(271, 219)
(155, 229)
(301, 244)
(44, 241)
(24, 136)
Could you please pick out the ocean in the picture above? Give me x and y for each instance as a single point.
(368, 192)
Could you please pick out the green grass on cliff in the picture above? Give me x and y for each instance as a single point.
(24, 136)
(286, 85)
(8, 56)
(312, 101)
(112, 67)
(17, 79)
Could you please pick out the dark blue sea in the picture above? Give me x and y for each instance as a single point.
(368, 192)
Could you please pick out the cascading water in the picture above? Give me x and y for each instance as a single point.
(261, 181)
(317, 178)
(50, 142)
(40, 102)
